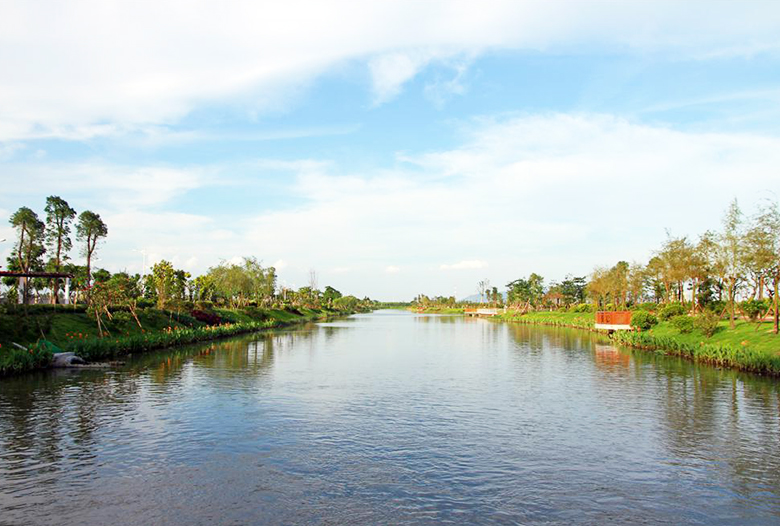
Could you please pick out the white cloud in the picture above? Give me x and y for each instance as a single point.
(548, 193)
(7, 151)
(465, 265)
(392, 70)
(119, 186)
(553, 194)
(87, 69)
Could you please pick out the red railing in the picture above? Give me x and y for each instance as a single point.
(613, 317)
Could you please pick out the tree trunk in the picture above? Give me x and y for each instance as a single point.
(732, 286)
(777, 314)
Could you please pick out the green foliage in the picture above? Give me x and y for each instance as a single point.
(671, 310)
(648, 306)
(610, 285)
(754, 308)
(163, 276)
(717, 306)
(90, 230)
(15, 360)
(529, 290)
(742, 357)
(59, 216)
(643, 320)
(573, 290)
(683, 323)
(237, 285)
(707, 323)
(27, 252)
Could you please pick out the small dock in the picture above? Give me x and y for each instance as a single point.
(613, 320)
(481, 312)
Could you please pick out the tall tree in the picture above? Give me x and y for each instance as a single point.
(164, 279)
(731, 254)
(89, 230)
(768, 221)
(29, 249)
(760, 254)
(59, 216)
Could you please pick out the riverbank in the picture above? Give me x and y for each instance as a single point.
(71, 329)
(749, 346)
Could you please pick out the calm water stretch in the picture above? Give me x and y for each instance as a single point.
(392, 417)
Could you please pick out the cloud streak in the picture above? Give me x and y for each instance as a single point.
(103, 68)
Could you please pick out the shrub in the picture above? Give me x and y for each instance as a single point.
(16, 360)
(716, 306)
(670, 311)
(683, 323)
(643, 320)
(206, 317)
(707, 323)
(753, 308)
(649, 307)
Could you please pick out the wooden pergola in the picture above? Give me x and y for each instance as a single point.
(24, 276)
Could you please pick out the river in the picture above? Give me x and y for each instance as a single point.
(392, 417)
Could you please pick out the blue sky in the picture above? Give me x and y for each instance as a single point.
(393, 147)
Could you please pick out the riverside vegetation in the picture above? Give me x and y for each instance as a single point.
(109, 314)
(713, 300)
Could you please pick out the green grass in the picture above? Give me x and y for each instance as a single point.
(440, 310)
(579, 320)
(748, 346)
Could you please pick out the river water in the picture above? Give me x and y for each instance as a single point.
(392, 417)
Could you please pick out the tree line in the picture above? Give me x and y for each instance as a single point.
(732, 271)
(45, 246)
(37, 239)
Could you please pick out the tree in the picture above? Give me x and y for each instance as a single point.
(59, 216)
(126, 291)
(262, 281)
(330, 295)
(163, 276)
(731, 253)
(760, 251)
(29, 249)
(529, 291)
(89, 230)
(637, 282)
(768, 222)
(482, 288)
(231, 283)
(573, 290)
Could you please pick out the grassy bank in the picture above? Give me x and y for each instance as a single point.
(748, 347)
(438, 310)
(72, 329)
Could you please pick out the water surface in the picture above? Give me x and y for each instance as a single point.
(392, 417)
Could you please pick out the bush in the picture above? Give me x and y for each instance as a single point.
(707, 323)
(15, 360)
(683, 323)
(753, 308)
(643, 320)
(716, 306)
(670, 311)
(206, 317)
